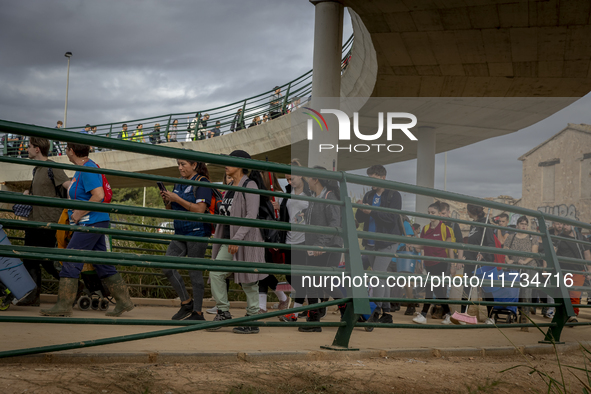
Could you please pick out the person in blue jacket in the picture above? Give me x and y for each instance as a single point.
(195, 199)
(87, 186)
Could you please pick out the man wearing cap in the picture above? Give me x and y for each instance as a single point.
(275, 103)
(86, 129)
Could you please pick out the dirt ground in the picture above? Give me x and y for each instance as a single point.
(377, 375)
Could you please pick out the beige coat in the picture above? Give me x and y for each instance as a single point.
(244, 208)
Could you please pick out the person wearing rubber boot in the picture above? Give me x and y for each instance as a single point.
(86, 186)
(47, 182)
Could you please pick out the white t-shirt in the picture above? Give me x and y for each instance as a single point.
(295, 208)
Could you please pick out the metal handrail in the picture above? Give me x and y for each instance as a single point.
(357, 301)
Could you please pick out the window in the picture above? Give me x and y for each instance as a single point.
(548, 179)
(585, 181)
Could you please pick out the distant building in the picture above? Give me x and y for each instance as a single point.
(557, 174)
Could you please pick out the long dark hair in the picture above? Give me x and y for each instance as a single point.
(330, 184)
(201, 168)
(476, 210)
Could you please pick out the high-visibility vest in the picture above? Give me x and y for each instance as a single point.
(138, 135)
(124, 135)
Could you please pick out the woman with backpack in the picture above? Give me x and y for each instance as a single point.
(89, 187)
(524, 243)
(272, 255)
(195, 199)
(238, 205)
(436, 230)
(292, 211)
(326, 215)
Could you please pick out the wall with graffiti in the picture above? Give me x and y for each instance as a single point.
(563, 210)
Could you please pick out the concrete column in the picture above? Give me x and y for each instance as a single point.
(425, 168)
(326, 80)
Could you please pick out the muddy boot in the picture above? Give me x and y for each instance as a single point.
(65, 297)
(118, 290)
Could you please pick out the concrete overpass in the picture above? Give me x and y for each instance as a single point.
(422, 54)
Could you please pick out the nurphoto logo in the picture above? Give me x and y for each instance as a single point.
(345, 130)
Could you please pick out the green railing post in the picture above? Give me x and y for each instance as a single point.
(110, 131)
(359, 304)
(168, 126)
(284, 106)
(5, 145)
(560, 294)
(341, 339)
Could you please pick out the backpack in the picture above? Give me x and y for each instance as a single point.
(60, 191)
(214, 205)
(499, 258)
(266, 212)
(443, 234)
(106, 188)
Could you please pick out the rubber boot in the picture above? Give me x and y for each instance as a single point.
(65, 297)
(118, 290)
(313, 316)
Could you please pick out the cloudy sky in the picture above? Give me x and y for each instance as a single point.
(134, 59)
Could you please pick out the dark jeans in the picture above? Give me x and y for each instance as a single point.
(439, 292)
(88, 241)
(189, 249)
(43, 238)
(269, 282)
(299, 258)
(312, 292)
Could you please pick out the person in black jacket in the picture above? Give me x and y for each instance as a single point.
(292, 211)
(326, 215)
(380, 222)
(238, 123)
(475, 237)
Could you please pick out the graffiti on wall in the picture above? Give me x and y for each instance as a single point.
(561, 210)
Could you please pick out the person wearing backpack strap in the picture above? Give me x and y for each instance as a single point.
(238, 205)
(576, 251)
(475, 237)
(47, 182)
(384, 223)
(325, 215)
(436, 230)
(187, 198)
(292, 211)
(87, 186)
(524, 243)
(272, 255)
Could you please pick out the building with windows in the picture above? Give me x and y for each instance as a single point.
(557, 174)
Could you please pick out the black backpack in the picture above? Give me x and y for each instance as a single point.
(266, 212)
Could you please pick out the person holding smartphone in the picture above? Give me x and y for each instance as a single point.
(189, 199)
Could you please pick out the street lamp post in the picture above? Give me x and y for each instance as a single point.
(68, 55)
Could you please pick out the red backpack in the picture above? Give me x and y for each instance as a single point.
(214, 205)
(106, 188)
(499, 258)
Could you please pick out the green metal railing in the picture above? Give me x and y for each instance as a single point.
(356, 299)
(192, 126)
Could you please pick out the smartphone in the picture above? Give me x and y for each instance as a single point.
(161, 186)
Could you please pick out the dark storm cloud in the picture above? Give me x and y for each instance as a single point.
(136, 59)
